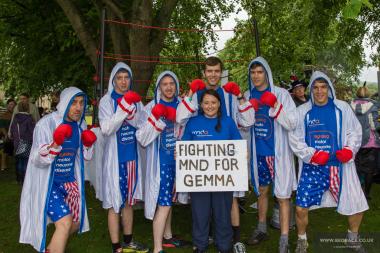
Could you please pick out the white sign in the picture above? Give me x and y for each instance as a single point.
(211, 166)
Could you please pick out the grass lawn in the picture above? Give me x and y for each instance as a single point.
(97, 240)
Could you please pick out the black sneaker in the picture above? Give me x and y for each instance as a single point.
(257, 237)
(135, 247)
(175, 242)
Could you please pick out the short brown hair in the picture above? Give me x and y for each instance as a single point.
(213, 61)
(362, 92)
(23, 107)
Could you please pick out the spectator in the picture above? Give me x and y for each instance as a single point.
(21, 130)
(33, 110)
(366, 111)
(5, 121)
(297, 89)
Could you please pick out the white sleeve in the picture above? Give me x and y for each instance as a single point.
(41, 155)
(353, 131)
(137, 118)
(88, 152)
(150, 130)
(285, 113)
(297, 140)
(185, 110)
(111, 121)
(246, 115)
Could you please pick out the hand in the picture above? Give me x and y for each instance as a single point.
(344, 155)
(232, 88)
(158, 111)
(170, 113)
(62, 132)
(131, 97)
(268, 99)
(320, 157)
(197, 85)
(255, 103)
(88, 138)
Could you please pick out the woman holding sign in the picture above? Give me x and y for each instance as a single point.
(211, 125)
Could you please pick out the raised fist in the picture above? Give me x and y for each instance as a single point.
(197, 85)
(131, 97)
(170, 113)
(255, 103)
(88, 138)
(158, 111)
(63, 131)
(268, 98)
(232, 88)
(320, 157)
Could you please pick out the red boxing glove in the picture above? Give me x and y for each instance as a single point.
(197, 85)
(63, 131)
(88, 138)
(159, 110)
(320, 157)
(131, 97)
(255, 103)
(344, 155)
(232, 88)
(268, 99)
(170, 113)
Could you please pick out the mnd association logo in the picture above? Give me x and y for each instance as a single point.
(313, 122)
(200, 132)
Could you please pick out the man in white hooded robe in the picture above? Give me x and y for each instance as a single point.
(54, 182)
(120, 114)
(326, 139)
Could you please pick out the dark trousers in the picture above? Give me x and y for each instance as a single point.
(21, 164)
(219, 205)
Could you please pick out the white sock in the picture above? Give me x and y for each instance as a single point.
(303, 237)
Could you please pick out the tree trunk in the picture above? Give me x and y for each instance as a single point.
(128, 40)
(139, 42)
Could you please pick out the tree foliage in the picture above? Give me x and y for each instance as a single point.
(299, 35)
(47, 45)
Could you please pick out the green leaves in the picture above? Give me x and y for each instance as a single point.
(353, 7)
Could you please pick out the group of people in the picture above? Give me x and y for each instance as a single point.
(17, 125)
(323, 133)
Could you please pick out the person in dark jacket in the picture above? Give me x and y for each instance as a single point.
(366, 110)
(22, 128)
(297, 90)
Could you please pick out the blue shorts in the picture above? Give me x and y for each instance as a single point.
(127, 182)
(63, 200)
(314, 181)
(167, 189)
(266, 169)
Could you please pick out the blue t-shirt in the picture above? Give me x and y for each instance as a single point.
(220, 91)
(264, 127)
(64, 163)
(321, 129)
(125, 137)
(167, 140)
(201, 128)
